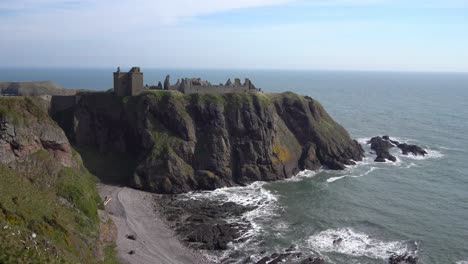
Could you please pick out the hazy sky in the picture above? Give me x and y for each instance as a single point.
(408, 35)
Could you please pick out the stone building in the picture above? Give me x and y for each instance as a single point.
(128, 83)
(197, 85)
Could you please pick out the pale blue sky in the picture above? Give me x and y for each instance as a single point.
(397, 35)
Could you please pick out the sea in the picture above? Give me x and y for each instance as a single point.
(417, 205)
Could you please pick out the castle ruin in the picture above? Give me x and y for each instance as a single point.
(131, 83)
(128, 83)
(197, 85)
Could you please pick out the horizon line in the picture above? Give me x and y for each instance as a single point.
(234, 69)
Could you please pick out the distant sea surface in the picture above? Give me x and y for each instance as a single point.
(415, 205)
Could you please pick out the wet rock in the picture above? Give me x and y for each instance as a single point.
(382, 145)
(289, 257)
(416, 150)
(406, 259)
(202, 224)
(338, 241)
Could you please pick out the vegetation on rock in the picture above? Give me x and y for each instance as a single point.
(48, 207)
(182, 142)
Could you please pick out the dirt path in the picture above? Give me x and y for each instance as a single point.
(133, 213)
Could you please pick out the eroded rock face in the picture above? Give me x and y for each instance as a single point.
(25, 129)
(192, 142)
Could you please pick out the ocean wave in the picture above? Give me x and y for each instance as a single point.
(254, 195)
(462, 262)
(303, 175)
(346, 241)
(431, 154)
(333, 179)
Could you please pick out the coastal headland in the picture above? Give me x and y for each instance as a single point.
(169, 142)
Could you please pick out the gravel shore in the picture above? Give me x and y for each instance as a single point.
(143, 237)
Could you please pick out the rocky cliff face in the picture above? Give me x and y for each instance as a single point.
(25, 129)
(182, 142)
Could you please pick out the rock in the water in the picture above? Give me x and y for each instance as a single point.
(202, 224)
(405, 259)
(416, 150)
(289, 257)
(382, 145)
(381, 148)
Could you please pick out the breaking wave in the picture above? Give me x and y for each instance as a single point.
(303, 175)
(253, 195)
(346, 241)
(333, 179)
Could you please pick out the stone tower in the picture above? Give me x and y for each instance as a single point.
(128, 83)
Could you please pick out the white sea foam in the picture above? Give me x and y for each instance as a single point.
(356, 244)
(302, 175)
(333, 179)
(253, 195)
(431, 154)
(462, 262)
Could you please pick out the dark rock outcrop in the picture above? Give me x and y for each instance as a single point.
(415, 150)
(382, 145)
(191, 142)
(201, 224)
(381, 148)
(403, 259)
(289, 257)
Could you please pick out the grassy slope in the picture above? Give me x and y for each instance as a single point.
(41, 198)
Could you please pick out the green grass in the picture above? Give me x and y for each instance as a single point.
(110, 255)
(41, 197)
(66, 230)
(21, 110)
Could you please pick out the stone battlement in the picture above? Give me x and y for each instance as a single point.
(197, 85)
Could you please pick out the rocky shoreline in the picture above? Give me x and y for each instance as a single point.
(214, 227)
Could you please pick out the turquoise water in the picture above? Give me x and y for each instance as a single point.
(415, 205)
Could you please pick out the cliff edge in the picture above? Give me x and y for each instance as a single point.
(168, 142)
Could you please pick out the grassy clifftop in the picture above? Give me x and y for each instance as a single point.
(33, 88)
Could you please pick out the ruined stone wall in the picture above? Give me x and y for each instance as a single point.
(136, 83)
(121, 84)
(215, 89)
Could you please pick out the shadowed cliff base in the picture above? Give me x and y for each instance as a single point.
(111, 168)
(183, 142)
